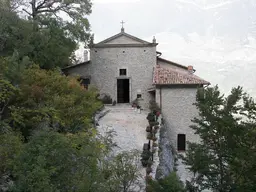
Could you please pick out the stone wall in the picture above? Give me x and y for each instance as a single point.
(106, 62)
(139, 62)
(178, 110)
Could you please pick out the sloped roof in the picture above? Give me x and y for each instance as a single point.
(135, 42)
(167, 76)
(123, 34)
(171, 62)
(73, 66)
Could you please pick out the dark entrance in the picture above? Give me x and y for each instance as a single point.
(123, 91)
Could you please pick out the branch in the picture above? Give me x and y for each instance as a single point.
(40, 5)
(27, 12)
(2, 111)
(51, 10)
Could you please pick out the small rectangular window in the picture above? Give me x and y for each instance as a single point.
(122, 72)
(138, 96)
(181, 142)
(85, 82)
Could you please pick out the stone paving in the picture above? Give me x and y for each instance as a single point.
(130, 128)
(128, 124)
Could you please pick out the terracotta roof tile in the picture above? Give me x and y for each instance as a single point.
(167, 76)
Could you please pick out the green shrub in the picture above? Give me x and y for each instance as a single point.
(151, 117)
(170, 183)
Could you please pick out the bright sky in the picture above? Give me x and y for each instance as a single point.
(216, 36)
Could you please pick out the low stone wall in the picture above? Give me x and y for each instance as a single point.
(99, 114)
(166, 153)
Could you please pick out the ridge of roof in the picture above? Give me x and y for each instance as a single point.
(172, 63)
(121, 34)
(167, 76)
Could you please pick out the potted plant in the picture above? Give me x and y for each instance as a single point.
(151, 123)
(149, 136)
(155, 130)
(146, 154)
(156, 126)
(151, 117)
(138, 109)
(135, 104)
(154, 138)
(155, 144)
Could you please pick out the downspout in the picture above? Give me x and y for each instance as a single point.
(160, 98)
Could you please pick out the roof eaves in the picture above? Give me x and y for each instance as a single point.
(119, 35)
(124, 45)
(73, 66)
(109, 39)
(172, 63)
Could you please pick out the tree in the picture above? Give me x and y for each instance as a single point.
(18, 39)
(49, 99)
(122, 174)
(170, 183)
(226, 127)
(46, 39)
(10, 147)
(55, 162)
(75, 11)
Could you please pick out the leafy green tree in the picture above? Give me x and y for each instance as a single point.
(55, 162)
(122, 173)
(18, 39)
(170, 183)
(53, 42)
(7, 92)
(49, 99)
(10, 147)
(15, 34)
(226, 127)
(76, 24)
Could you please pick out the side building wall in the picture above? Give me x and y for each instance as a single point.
(178, 110)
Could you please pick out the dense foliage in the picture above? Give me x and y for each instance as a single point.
(170, 183)
(225, 160)
(48, 139)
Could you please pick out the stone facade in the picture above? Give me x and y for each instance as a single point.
(178, 110)
(123, 52)
(140, 59)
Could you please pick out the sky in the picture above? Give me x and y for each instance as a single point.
(217, 37)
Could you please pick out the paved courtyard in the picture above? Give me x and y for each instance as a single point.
(130, 128)
(128, 124)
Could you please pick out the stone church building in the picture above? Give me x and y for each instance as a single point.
(126, 67)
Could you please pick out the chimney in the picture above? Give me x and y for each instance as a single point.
(154, 39)
(86, 54)
(190, 69)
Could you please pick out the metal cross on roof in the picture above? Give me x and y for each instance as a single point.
(122, 22)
